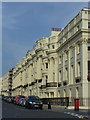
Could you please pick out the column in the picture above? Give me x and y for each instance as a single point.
(56, 75)
(75, 63)
(39, 63)
(63, 67)
(84, 72)
(56, 70)
(37, 89)
(69, 66)
(51, 70)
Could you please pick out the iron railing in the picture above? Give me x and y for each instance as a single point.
(64, 101)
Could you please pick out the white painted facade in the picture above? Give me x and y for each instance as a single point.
(58, 65)
(0, 85)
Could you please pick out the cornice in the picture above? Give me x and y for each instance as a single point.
(70, 39)
(51, 51)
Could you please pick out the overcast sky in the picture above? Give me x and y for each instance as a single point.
(24, 23)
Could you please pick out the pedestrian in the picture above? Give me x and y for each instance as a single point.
(49, 105)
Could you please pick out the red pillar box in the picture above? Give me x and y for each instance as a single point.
(76, 104)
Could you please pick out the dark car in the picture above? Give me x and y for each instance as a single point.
(5, 98)
(17, 98)
(33, 102)
(22, 101)
(13, 98)
(9, 99)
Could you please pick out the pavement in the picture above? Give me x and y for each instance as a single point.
(10, 110)
(83, 113)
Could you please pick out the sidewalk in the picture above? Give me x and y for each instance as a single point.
(64, 107)
(53, 107)
(80, 107)
(83, 112)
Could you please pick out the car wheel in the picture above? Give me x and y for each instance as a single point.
(26, 106)
(41, 108)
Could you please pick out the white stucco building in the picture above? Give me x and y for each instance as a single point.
(58, 65)
(0, 85)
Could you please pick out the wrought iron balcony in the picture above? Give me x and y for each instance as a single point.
(38, 49)
(17, 87)
(51, 84)
(32, 83)
(42, 86)
(25, 86)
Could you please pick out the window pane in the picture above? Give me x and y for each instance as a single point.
(88, 24)
(46, 65)
(88, 65)
(89, 48)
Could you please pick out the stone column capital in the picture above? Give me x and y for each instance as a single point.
(83, 40)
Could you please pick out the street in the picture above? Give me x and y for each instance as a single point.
(10, 110)
(14, 111)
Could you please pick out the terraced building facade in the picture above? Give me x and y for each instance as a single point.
(58, 65)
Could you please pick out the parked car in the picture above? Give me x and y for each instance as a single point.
(22, 101)
(9, 99)
(5, 98)
(13, 97)
(17, 98)
(0, 96)
(33, 102)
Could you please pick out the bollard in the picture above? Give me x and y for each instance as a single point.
(49, 105)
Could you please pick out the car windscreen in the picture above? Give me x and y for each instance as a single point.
(21, 97)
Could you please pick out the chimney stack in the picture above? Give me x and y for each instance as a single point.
(55, 31)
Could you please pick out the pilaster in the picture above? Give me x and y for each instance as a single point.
(84, 70)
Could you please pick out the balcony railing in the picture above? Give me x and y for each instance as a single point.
(63, 101)
(32, 83)
(51, 84)
(42, 86)
(77, 79)
(17, 87)
(25, 86)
